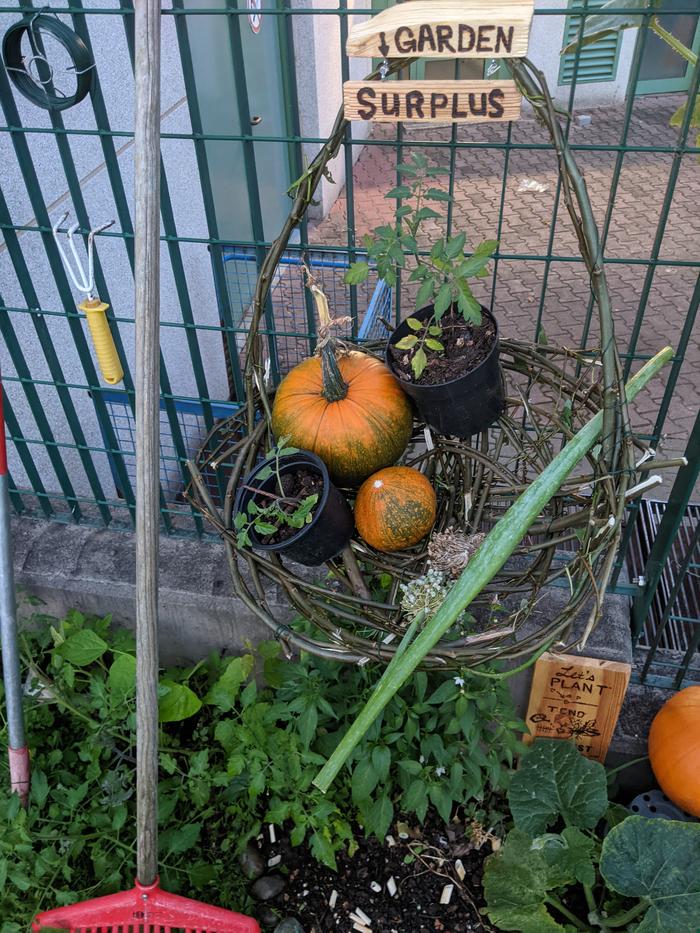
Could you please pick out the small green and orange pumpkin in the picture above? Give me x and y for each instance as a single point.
(395, 508)
(345, 407)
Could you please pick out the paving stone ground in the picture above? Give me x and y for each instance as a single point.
(526, 228)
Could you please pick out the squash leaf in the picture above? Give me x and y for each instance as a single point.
(556, 781)
(516, 882)
(569, 856)
(657, 860)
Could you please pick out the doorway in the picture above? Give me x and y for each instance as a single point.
(662, 70)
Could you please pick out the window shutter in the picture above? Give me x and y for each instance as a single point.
(597, 62)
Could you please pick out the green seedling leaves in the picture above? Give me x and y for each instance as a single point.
(82, 648)
(176, 702)
(357, 273)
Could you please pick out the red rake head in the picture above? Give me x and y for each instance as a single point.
(144, 909)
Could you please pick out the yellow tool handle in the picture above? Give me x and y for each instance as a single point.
(102, 340)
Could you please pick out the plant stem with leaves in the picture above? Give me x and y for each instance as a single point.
(443, 273)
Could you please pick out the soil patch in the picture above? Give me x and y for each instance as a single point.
(296, 486)
(466, 346)
(420, 865)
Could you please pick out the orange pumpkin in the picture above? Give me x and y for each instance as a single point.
(395, 508)
(348, 410)
(674, 749)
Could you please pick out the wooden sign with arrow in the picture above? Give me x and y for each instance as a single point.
(439, 29)
(445, 29)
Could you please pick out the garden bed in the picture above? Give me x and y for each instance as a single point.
(423, 866)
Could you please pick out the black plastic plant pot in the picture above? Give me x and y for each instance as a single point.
(331, 526)
(463, 406)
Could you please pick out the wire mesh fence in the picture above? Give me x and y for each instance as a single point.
(247, 99)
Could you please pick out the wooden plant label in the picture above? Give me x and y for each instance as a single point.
(445, 29)
(431, 101)
(577, 698)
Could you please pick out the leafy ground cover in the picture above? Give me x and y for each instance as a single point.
(241, 740)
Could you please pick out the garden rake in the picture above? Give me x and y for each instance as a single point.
(17, 750)
(146, 908)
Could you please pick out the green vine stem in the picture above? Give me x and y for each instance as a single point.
(554, 902)
(622, 919)
(671, 40)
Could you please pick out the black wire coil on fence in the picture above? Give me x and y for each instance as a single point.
(550, 393)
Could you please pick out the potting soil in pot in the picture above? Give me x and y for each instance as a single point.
(466, 346)
(296, 486)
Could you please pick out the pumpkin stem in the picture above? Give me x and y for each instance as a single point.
(335, 388)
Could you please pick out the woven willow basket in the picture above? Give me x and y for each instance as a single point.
(550, 392)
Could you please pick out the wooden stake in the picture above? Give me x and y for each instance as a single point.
(147, 304)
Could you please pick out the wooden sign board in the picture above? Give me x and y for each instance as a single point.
(445, 29)
(577, 698)
(431, 101)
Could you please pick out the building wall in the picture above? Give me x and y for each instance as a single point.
(546, 41)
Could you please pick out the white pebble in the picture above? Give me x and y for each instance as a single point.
(391, 886)
(459, 868)
(376, 887)
(273, 834)
(362, 917)
(333, 899)
(275, 860)
(446, 895)
(390, 841)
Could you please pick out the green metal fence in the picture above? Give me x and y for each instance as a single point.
(70, 435)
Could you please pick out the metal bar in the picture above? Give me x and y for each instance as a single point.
(188, 318)
(622, 152)
(385, 143)
(360, 11)
(29, 174)
(334, 248)
(251, 172)
(37, 485)
(680, 579)
(349, 174)
(668, 529)
(17, 750)
(557, 192)
(214, 242)
(665, 210)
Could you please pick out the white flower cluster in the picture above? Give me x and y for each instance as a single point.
(424, 594)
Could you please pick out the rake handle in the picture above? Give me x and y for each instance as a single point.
(17, 751)
(147, 304)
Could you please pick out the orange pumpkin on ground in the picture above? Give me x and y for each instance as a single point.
(395, 508)
(674, 749)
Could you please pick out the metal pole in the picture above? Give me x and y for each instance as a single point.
(17, 750)
(147, 306)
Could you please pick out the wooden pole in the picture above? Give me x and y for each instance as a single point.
(147, 309)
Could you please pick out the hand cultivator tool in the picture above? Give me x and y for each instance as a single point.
(17, 750)
(146, 909)
(93, 309)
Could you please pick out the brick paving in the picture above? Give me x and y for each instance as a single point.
(526, 229)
